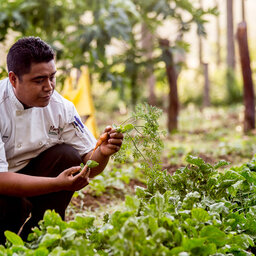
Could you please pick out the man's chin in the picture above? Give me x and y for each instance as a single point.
(42, 104)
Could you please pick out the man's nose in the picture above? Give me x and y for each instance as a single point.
(48, 86)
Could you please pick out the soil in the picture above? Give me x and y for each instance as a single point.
(171, 168)
(93, 201)
(207, 158)
(88, 200)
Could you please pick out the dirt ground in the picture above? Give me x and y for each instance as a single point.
(88, 200)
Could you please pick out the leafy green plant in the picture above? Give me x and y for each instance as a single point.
(143, 143)
(201, 212)
(141, 149)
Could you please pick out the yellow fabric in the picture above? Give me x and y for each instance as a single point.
(81, 96)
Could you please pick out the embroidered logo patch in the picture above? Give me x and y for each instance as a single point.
(55, 131)
(5, 138)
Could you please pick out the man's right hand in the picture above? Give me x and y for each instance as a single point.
(17, 184)
(71, 180)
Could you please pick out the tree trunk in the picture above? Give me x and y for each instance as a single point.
(230, 36)
(243, 9)
(173, 108)
(147, 46)
(249, 114)
(218, 58)
(206, 86)
(200, 50)
(134, 89)
(200, 42)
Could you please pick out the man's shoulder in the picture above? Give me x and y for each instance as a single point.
(4, 81)
(3, 89)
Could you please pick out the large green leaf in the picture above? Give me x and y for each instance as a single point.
(200, 215)
(214, 235)
(13, 238)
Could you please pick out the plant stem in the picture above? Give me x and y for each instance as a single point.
(135, 127)
(136, 147)
(127, 120)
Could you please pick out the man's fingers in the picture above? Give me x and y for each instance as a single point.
(113, 147)
(108, 128)
(85, 172)
(116, 135)
(115, 141)
(73, 170)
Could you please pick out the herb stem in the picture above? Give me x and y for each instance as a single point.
(127, 120)
(136, 147)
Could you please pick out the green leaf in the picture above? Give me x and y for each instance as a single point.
(82, 223)
(92, 163)
(51, 218)
(214, 235)
(132, 202)
(158, 201)
(69, 234)
(221, 163)
(190, 199)
(123, 129)
(200, 214)
(127, 128)
(192, 243)
(195, 160)
(13, 238)
(41, 251)
(178, 251)
(115, 126)
(142, 192)
(219, 208)
(160, 235)
(152, 224)
(242, 240)
(50, 240)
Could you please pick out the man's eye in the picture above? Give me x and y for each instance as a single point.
(52, 78)
(39, 81)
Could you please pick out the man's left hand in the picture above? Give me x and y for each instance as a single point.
(113, 143)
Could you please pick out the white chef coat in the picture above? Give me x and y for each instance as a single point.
(25, 133)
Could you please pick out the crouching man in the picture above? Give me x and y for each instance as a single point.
(42, 140)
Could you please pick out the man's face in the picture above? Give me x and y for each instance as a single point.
(35, 88)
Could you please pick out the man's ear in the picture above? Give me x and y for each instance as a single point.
(13, 78)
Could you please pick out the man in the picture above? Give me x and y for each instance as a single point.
(42, 140)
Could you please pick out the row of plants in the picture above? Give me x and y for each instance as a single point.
(202, 209)
(206, 129)
(197, 211)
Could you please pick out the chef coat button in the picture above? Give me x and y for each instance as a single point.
(40, 143)
(18, 112)
(19, 145)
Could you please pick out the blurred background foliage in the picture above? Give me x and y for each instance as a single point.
(107, 36)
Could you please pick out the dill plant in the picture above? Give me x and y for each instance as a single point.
(144, 144)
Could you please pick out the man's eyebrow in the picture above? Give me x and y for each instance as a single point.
(39, 77)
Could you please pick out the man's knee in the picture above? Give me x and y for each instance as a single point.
(66, 153)
(53, 161)
(14, 206)
(13, 213)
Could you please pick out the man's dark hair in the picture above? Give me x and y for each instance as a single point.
(26, 51)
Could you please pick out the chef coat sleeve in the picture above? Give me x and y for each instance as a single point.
(76, 134)
(3, 161)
